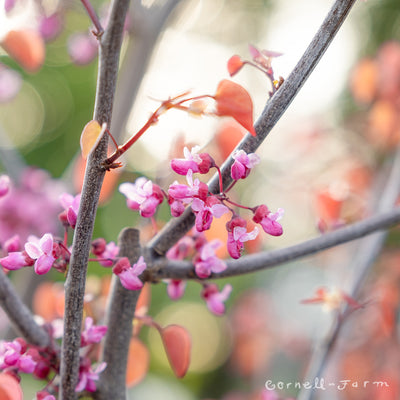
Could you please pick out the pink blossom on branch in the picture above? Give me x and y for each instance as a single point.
(89, 375)
(41, 250)
(143, 196)
(269, 220)
(71, 207)
(206, 261)
(243, 164)
(236, 239)
(206, 210)
(16, 260)
(92, 333)
(107, 257)
(214, 298)
(129, 276)
(193, 161)
(175, 288)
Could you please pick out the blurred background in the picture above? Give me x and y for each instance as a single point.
(322, 163)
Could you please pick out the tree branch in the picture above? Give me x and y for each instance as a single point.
(110, 44)
(19, 314)
(275, 107)
(119, 317)
(171, 269)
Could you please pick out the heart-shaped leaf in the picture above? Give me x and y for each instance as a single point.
(26, 47)
(234, 101)
(177, 344)
(91, 134)
(138, 362)
(9, 388)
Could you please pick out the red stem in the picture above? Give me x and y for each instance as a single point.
(93, 16)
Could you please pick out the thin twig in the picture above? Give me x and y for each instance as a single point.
(109, 49)
(366, 255)
(171, 269)
(273, 110)
(147, 24)
(19, 314)
(119, 317)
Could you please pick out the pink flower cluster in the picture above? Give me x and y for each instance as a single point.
(18, 357)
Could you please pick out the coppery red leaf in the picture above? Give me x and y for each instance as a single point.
(234, 101)
(235, 64)
(177, 344)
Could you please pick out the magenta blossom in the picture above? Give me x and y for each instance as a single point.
(206, 261)
(143, 196)
(71, 207)
(237, 237)
(196, 162)
(41, 250)
(13, 355)
(205, 211)
(106, 258)
(243, 164)
(175, 288)
(186, 193)
(92, 334)
(181, 249)
(215, 299)
(269, 220)
(88, 376)
(16, 260)
(129, 276)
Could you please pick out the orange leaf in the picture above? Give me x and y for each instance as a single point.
(177, 344)
(234, 101)
(26, 47)
(235, 64)
(9, 388)
(91, 134)
(138, 362)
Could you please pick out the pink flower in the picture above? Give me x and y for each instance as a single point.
(243, 164)
(206, 261)
(192, 161)
(108, 255)
(88, 376)
(71, 207)
(175, 288)
(4, 185)
(129, 276)
(237, 237)
(13, 354)
(205, 211)
(143, 196)
(41, 251)
(268, 220)
(187, 192)
(16, 260)
(181, 249)
(215, 299)
(92, 334)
